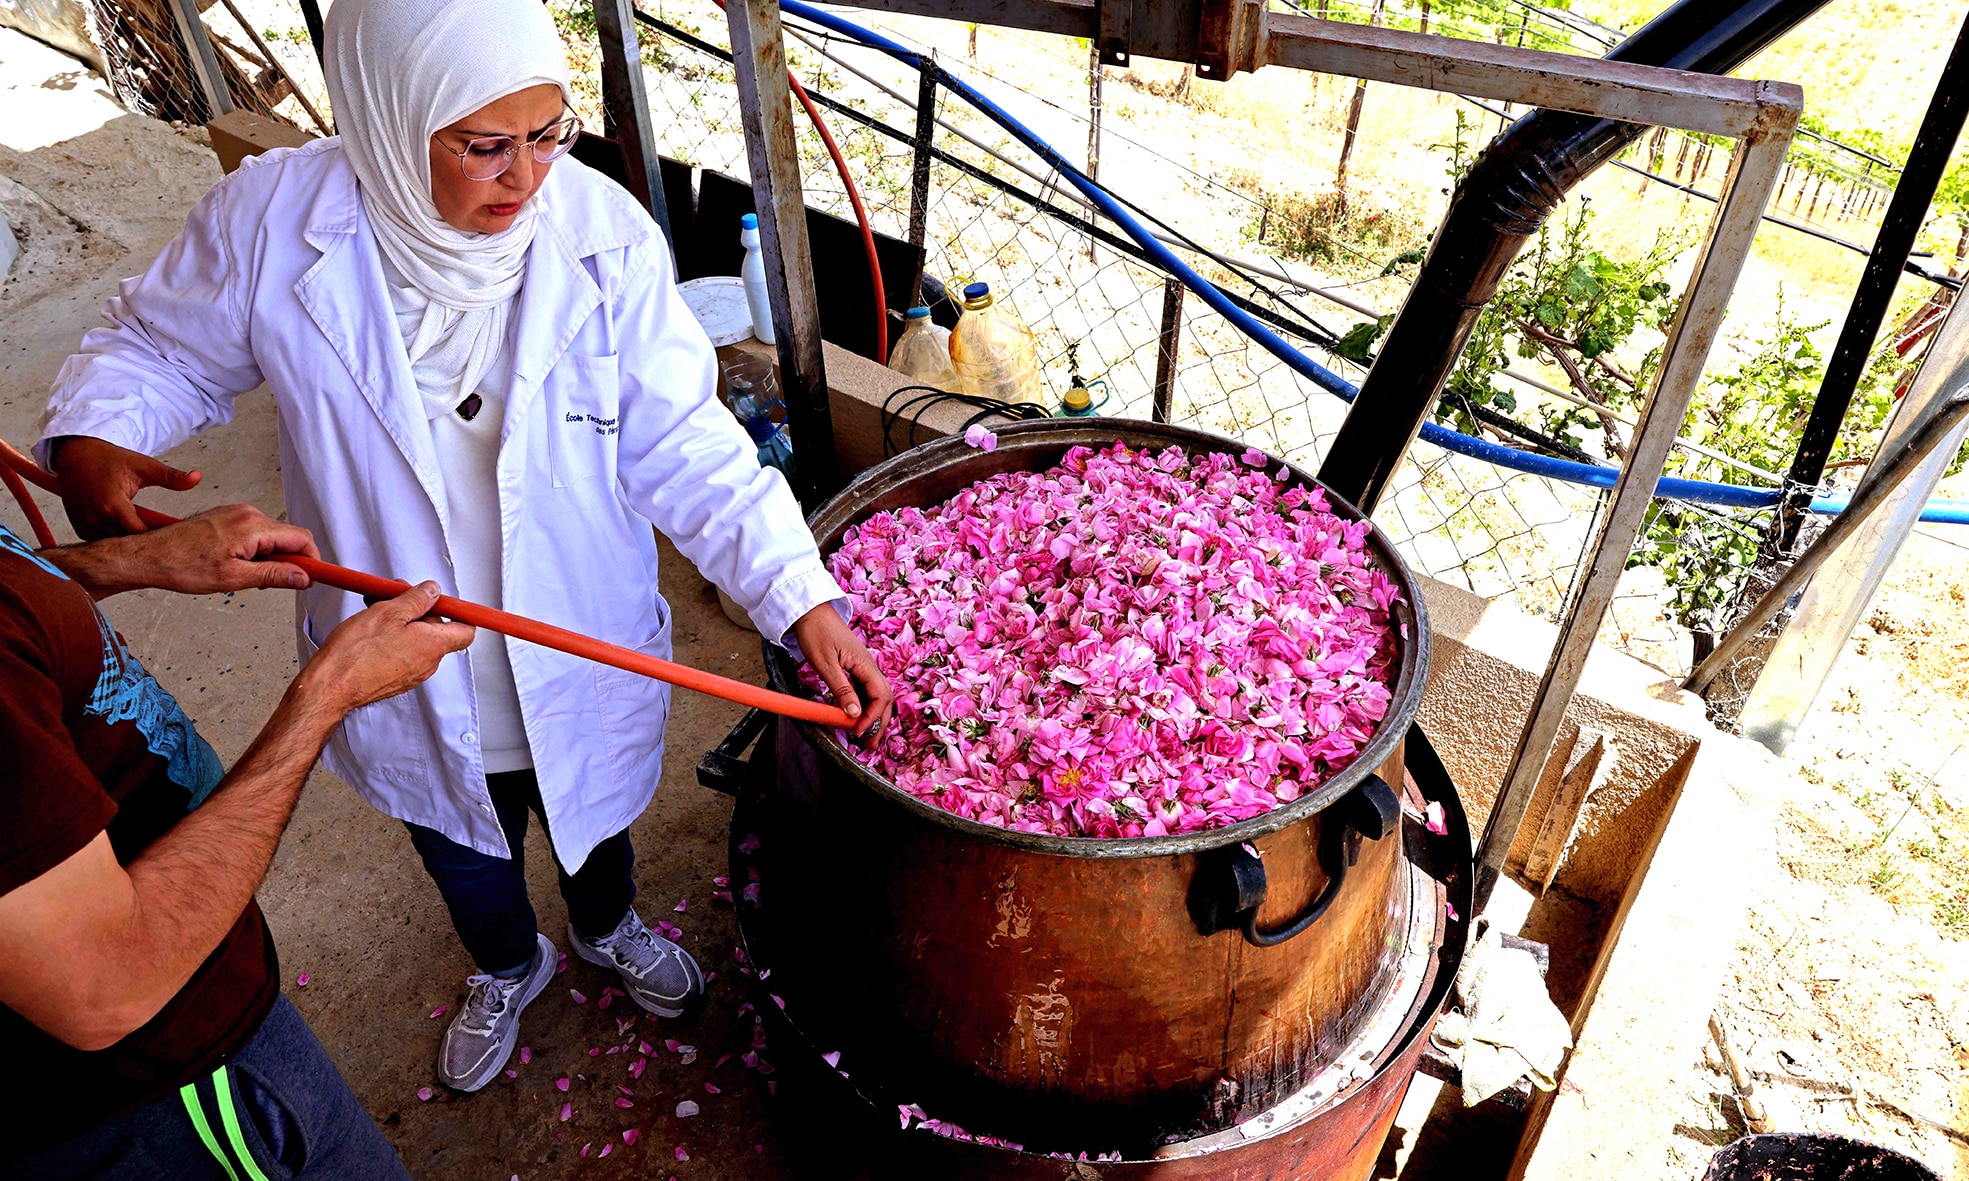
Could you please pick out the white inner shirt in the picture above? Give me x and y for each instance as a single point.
(468, 461)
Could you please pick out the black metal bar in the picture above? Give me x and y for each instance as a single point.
(1167, 344)
(626, 100)
(766, 109)
(923, 150)
(201, 61)
(1501, 203)
(311, 16)
(1926, 161)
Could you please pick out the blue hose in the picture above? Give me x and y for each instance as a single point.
(1735, 496)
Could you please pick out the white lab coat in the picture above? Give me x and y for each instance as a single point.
(611, 425)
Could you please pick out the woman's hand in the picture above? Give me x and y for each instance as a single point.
(843, 662)
(99, 480)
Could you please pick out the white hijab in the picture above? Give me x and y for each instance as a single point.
(397, 71)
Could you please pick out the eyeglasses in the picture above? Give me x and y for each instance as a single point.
(490, 156)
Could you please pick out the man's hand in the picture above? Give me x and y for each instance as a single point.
(842, 661)
(99, 481)
(390, 648)
(216, 550)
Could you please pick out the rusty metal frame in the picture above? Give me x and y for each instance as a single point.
(765, 106)
(1223, 37)
(201, 61)
(625, 101)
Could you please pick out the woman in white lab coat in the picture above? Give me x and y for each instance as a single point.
(485, 375)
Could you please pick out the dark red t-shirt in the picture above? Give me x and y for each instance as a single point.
(89, 742)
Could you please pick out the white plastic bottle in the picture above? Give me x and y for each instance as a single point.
(753, 272)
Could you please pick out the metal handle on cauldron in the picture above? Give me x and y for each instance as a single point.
(723, 767)
(1229, 887)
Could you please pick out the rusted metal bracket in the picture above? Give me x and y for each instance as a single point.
(1117, 31)
(1231, 37)
(1230, 34)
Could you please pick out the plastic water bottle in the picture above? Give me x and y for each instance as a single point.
(752, 390)
(753, 272)
(992, 351)
(923, 353)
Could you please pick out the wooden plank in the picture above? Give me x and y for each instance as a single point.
(1587, 767)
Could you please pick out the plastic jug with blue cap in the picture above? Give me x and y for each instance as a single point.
(992, 351)
(923, 352)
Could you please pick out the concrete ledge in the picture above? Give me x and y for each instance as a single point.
(238, 134)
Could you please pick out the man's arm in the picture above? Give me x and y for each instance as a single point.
(221, 549)
(90, 950)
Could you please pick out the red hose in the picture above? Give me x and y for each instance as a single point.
(861, 214)
(14, 466)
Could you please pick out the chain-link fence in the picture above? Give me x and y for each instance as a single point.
(1097, 306)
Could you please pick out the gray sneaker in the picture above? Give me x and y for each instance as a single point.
(659, 975)
(481, 1038)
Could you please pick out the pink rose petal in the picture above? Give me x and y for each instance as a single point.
(301, 981)
(977, 436)
(624, 1104)
(832, 1058)
(687, 1109)
(1435, 819)
(424, 1094)
(682, 903)
(712, 1089)
(580, 998)
(526, 1055)
(438, 1012)
(560, 1084)
(681, 1153)
(606, 1149)
(585, 1148)
(567, 1112)
(631, 1135)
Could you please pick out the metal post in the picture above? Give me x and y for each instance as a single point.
(919, 171)
(1166, 346)
(1926, 162)
(200, 61)
(766, 108)
(1800, 660)
(626, 100)
(311, 15)
(1747, 191)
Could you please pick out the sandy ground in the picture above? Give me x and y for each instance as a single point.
(1850, 994)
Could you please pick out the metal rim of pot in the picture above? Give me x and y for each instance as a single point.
(857, 502)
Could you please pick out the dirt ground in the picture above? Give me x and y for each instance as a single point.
(1850, 994)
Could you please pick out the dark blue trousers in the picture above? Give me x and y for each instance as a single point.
(487, 895)
(294, 1118)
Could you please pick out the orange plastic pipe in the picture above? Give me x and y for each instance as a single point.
(506, 623)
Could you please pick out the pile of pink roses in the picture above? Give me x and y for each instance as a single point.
(1129, 644)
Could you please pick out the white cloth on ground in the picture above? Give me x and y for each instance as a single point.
(397, 71)
(1504, 1026)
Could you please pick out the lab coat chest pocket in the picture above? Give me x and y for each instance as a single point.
(583, 395)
